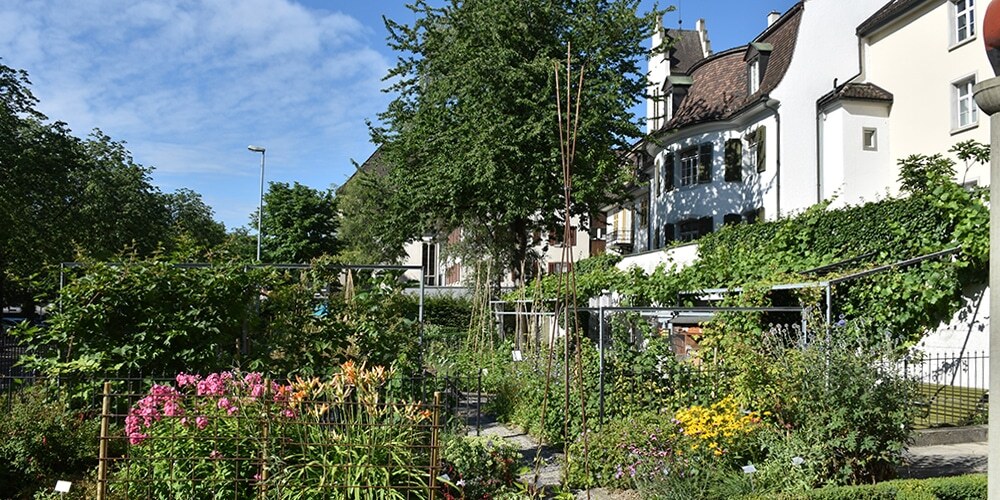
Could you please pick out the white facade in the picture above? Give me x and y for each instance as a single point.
(916, 58)
(855, 153)
(826, 49)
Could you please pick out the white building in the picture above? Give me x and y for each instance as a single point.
(733, 136)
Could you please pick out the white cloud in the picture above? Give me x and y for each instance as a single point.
(189, 83)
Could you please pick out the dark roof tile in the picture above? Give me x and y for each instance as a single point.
(856, 91)
(720, 85)
(885, 15)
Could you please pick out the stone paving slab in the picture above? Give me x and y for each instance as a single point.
(945, 460)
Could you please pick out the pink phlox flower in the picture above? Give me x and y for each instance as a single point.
(201, 422)
(215, 454)
(214, 384)
(288, 413)
(186, 379)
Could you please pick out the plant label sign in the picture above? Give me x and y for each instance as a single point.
(63, 486)
(516, 355)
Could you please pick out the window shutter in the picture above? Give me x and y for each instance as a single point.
(705, 226)
(705, 163)
(668, 172)
(731, 219)
(669, 234)
(734, 160)
(761, 139)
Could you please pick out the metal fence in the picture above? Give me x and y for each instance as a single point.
(952, 387)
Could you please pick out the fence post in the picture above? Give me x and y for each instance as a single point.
(102, 464)
(434, 445)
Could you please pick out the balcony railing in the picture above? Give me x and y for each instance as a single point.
(620, 237)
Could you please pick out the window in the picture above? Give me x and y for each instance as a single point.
(560, 267)
(964, 111)
(430, 264)
(869, 139)
(753, 75)
(732, 219)
(963, 20)
(689, 166)
(669, 234)
(453, 274)
(705, 163)
(757, 148)
(556, 236)
(693, 229)
(643, 213)
(734, 160)
(696, 165)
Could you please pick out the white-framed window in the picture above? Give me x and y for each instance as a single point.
(689, 166)
(753, 75)
(965, 114)
(963, 18)
(869, 139)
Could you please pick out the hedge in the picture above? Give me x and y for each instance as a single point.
(941, 488)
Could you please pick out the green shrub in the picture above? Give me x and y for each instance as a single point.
(42, 439)
(970, 487)
(479, 467)
(623, 451)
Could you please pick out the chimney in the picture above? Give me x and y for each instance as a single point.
(772, 17)
(706, 44)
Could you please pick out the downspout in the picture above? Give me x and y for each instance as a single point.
(777, 157)
(819, 126)
(820, 115)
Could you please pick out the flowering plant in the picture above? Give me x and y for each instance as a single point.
(721, 430)
(203, 436)
(233, 434)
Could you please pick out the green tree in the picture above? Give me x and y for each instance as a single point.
(193, 230)
(300, 223)
(471, 140)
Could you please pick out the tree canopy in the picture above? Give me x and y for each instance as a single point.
(471, 139)
(300, 223)
(62, 197)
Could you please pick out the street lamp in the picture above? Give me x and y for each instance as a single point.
(260, 205)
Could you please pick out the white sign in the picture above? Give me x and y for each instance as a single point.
(63, 486)
(749, 469)
(516, 355)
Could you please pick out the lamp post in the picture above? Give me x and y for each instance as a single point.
(260, 205)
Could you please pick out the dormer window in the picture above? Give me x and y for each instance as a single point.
(754, 76)
(675, 89)
(757, 56)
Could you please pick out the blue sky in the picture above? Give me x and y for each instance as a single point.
(188, 84)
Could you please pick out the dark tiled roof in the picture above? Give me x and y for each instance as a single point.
(686, 50)
(888, 12)
(856, 91)
(372, 166)
(720, 85)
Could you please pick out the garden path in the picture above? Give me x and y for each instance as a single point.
(945, 460)
(550, 473)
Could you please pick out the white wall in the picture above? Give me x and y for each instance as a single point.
(852, 174)
(915, 61)
(680, 256)
(827, 48)
(719, 197)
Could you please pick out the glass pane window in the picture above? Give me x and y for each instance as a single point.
(965, 20)
(966, 112)
(689, 167)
